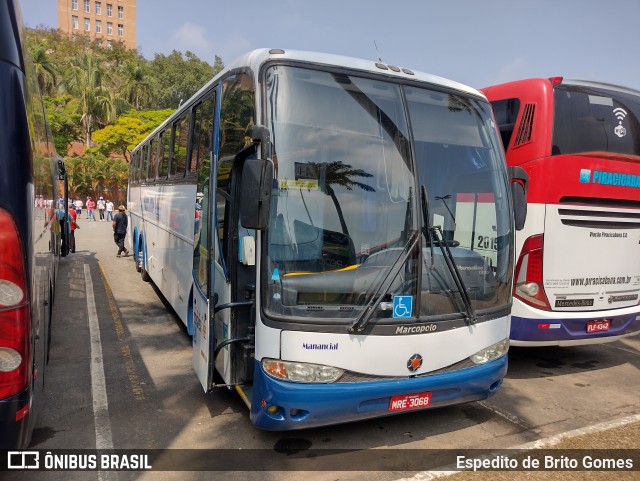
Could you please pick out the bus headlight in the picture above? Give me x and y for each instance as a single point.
(491, 353)
(300, 371)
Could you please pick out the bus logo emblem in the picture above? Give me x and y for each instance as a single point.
(414, 362)
(585, 176)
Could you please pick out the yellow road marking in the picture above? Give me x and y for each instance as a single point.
(125, 348)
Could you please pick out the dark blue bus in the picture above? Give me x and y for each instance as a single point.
(30, 234)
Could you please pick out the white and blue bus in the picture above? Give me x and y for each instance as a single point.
(320, 225)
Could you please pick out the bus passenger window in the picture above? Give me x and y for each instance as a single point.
(153, 159)
(179, 159)
(165, 150)
(144, 162)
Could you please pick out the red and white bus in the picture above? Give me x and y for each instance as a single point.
(577, 277)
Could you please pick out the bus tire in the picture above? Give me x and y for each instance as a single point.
(138, 262)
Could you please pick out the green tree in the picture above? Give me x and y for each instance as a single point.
(128, 131)
(46, 70)
(78, 177)
(85, 78)
(178, 77)
(137, 87)
(65, 123)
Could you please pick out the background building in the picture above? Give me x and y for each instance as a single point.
(108, 20)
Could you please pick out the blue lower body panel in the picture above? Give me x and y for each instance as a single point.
(302, 405)
(529, 330)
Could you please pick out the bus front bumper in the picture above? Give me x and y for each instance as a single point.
(563, 331)
(279, 406)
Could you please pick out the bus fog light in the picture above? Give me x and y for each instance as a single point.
(301, 371)
(10, 359)
(491, 353)
(10, 293)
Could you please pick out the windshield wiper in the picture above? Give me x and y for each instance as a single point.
(425, 219)
(430, 232)
(367, 313)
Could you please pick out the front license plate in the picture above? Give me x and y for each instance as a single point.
(598, 326)
(404, 402)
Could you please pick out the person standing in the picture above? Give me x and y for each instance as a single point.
(73, 216)
(120, 224)
(109, 210)
(91, 205)
(78, 204)
(101, 206)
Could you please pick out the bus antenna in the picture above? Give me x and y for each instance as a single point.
(376, 46)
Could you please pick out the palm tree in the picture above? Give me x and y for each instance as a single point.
(137, 88)
(46, 70)
(86, 79)
(341, 174)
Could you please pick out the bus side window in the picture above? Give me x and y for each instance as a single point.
(153, 159)
(165, 150)
(200, 164)
(201, 239)
(144, 162)
(181, 133)
(133, 169)
(236, 120)
(506, 113)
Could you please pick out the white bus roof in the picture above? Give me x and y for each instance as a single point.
(254, 59)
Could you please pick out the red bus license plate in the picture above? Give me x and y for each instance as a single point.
(598, 326)
(404, 402)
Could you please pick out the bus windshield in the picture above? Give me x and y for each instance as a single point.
(346, 204)
(593, 119)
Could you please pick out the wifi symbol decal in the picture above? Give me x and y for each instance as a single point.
(620, 114)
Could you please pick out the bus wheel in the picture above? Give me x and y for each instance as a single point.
(139, 261)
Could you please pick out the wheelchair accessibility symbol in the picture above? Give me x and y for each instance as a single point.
(402, 306)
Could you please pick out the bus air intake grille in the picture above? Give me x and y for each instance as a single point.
(526, 126)
(594, 219)
(351, 377)
(601, 202)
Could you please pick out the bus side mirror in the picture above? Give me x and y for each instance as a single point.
(257, 179)
(519, 179)
(260, 134)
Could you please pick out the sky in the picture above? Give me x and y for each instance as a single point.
(476, 42)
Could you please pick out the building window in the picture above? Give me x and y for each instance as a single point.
(87, 8)
(87, 25)
(120, 30)
(109, 10)
(98, 26)
(121, 12)
(74, 4)
(109, 44)
(74, 22)
(98, 8)
(109, 28)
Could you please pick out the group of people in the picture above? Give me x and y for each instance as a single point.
(105, 209)
(119, 221)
